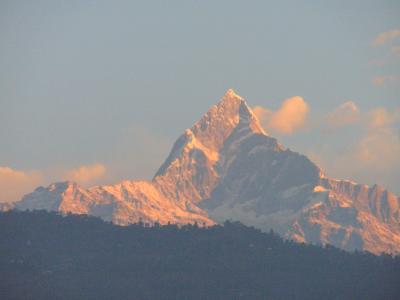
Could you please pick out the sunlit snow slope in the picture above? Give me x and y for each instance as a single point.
(227, 167)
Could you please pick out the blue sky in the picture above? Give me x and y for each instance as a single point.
(114, 83)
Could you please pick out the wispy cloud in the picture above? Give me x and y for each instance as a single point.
(386, 37)
(136, 156)
(380, 117)
(290, 117)
(346, 114)
(382, 80)
(380, 147)
(86, 174)
(395, 50)
(15, 183)
(373, 157)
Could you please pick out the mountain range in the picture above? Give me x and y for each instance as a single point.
(228, 167)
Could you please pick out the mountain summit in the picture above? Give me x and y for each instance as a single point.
(227, 167)
(195, 159)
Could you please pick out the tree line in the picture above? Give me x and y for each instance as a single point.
(49, 256)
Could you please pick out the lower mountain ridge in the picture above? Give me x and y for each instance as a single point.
(226, 167)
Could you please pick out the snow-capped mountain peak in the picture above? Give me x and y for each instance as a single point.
(217, 124)
(196, 158)
(226, 167)
(231, 94)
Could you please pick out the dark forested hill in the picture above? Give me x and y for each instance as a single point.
(48, 256)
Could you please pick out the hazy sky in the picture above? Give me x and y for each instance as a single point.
(97, 91)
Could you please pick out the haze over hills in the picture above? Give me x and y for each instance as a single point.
(227, 167)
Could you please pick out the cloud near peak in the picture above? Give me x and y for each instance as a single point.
(372, 156)
(380, 118)
(346, 114)
(16, 183)
(86, 174)
(290, 117)
(379, 148)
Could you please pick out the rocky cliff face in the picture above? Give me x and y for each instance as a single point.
(227, 167)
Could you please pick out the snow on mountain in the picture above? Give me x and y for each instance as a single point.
(123, 203)
(227, 167)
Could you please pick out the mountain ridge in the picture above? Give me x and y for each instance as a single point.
(227, 167)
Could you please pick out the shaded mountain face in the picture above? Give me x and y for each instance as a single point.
(227, 167)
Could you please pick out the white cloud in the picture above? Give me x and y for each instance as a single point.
(15, 183)
(290, 117)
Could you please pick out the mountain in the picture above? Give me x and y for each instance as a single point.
(124, 203)
(227, 167)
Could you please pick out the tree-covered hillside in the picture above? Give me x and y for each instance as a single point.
(47, 256)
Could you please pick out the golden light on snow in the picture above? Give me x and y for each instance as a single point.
(227, 158)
